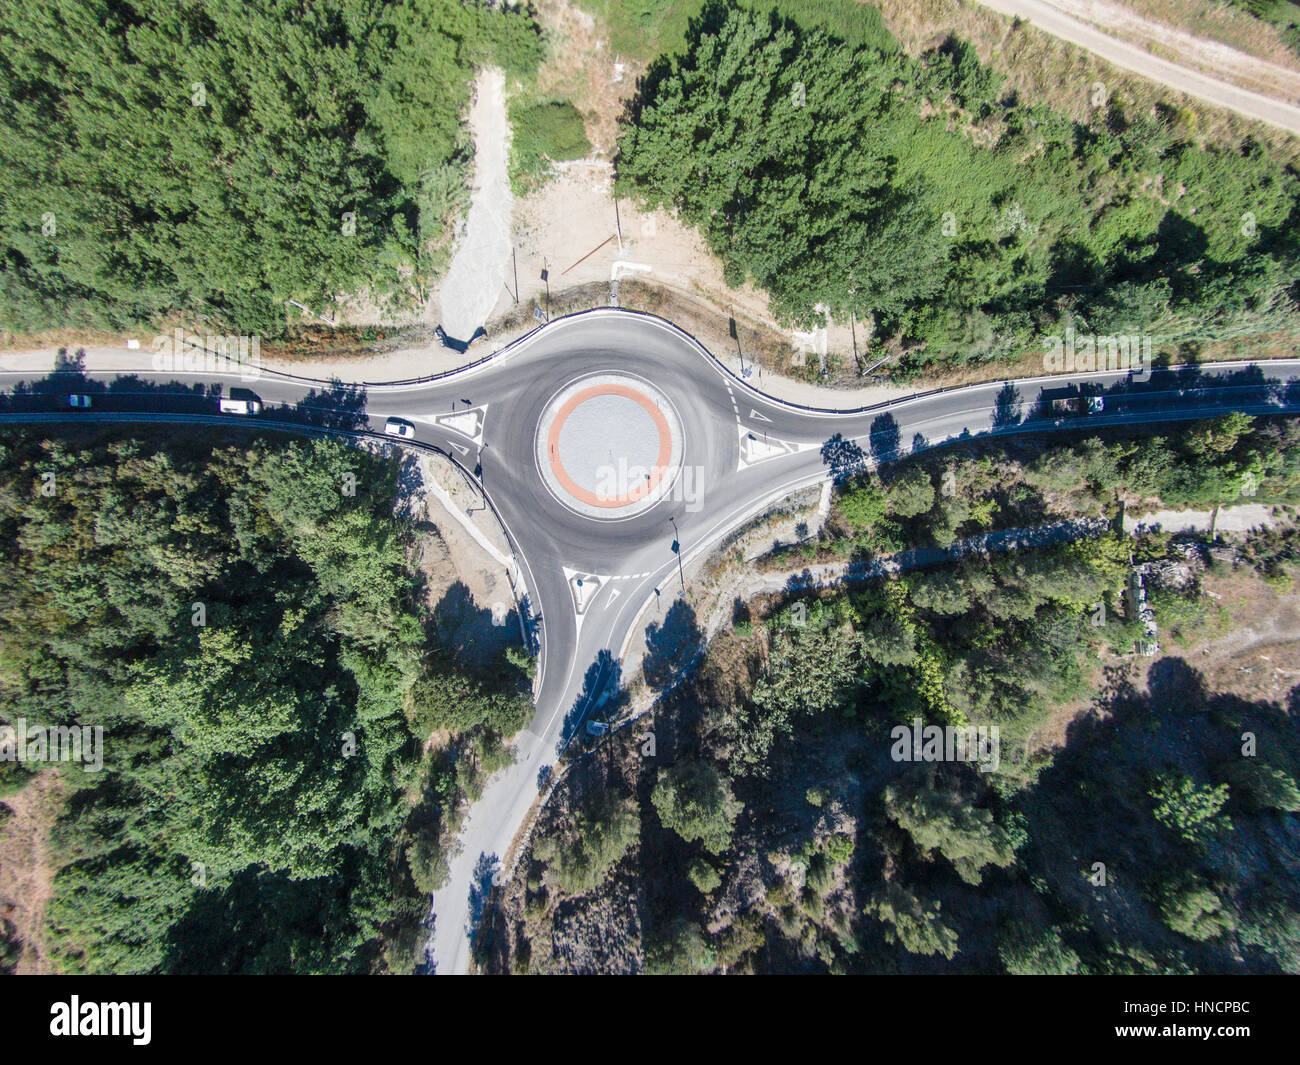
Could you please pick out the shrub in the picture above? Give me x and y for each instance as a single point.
(544, 133)
(912, 923)
(1189, 810)
(1028, 951)
(695, 801)
(704, 876)
(681, 948)
(1194, 911)
(604, 834)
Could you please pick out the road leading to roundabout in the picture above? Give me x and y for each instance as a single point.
(689, 454)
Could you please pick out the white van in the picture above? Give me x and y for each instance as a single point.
(239, 406)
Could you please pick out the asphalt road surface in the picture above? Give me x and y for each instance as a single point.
(740, 451)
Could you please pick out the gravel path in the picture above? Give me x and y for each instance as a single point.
(1050, 17)
(482, 257)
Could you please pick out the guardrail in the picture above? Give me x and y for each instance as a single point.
(700, 347)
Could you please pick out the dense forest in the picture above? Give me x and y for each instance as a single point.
(217, 158)
(244, 624)
(769, 827)
(914, 193)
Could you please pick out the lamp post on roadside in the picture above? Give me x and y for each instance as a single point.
(735, 335)
(677, 550)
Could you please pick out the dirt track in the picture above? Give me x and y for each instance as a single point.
(1058, 17)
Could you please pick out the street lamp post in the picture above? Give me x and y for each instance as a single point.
(677, 550)
(735, 335)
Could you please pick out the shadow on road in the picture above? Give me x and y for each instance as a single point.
(886, 438)
(1009, 407)
(340, 406)
(601, 696)
(480, 889)
(843, 458)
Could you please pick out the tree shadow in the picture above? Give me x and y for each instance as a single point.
(740, 613)
(410, 481)
(843, 458)
(70, 363)
(1009, 407)
(476, 636)
(601, 695)
(340, 406)
(803, 581)
(671, 646)
(480, 890)
(124, 393)
(886, 438)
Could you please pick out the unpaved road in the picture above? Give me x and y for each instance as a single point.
(1050, 17)
(478, 268)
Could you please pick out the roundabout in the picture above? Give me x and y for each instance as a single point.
(609, 446)
(606, 489)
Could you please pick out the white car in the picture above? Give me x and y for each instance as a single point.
(80, 402)
(398, 427)
(239, 406)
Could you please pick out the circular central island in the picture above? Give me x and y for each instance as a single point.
(609, 446)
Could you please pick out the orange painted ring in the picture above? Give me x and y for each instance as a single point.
(575, 489)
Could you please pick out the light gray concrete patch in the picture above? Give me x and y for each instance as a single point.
(600, 432)
(478, 267)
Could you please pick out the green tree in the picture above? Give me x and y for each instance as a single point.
(1028, 951)
(1189, 810)
(1265, 786)
(704, 876)
(681, 948)
(913, 923)
(694, 800)
(603, 834)
(1195, 911)
(943, 823)
(911, 492)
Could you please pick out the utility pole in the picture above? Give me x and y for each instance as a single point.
(735, 335)
(677, 550)
(514, 257)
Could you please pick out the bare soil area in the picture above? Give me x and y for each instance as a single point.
(26, 869)
(461, 560)
(1250, 647)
